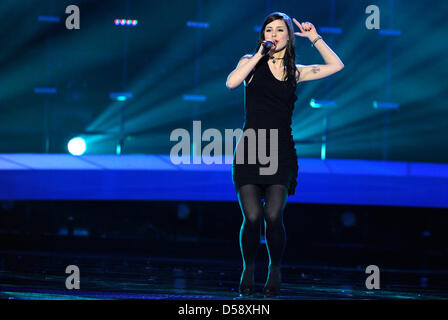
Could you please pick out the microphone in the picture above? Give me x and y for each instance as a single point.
(267, 46)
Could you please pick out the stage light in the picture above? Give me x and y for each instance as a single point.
(194, 97)
(45, 90)
(120, 96)
(330, 30)
(80, 232)
(323, 151)
(63, 231)
(389, 32)
(322, 103)
(126, 22)
(76, 146)
(196, 24)
(385, 105)
(48, 19)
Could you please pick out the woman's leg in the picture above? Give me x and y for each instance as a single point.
(275, 202)
(249, 197)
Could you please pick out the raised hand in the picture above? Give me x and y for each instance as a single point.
(307, 30)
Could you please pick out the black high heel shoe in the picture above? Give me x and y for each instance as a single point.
(246, 291)
(270, 292)
(247, 287)
(272, 286)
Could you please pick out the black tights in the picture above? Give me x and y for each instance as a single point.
(275, 197)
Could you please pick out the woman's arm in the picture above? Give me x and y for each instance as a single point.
(317, 71)
(242, 70)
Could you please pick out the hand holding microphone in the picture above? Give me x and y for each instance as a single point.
(266, 46)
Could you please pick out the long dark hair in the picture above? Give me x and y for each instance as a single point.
(289, 59)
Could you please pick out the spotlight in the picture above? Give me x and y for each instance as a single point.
(76, 146)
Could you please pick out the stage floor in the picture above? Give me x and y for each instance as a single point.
(41, 275)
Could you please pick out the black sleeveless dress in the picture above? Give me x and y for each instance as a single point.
(269, 104)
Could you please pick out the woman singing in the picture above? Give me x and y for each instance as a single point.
(270, 79)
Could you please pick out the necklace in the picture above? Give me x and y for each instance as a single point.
(273, 59)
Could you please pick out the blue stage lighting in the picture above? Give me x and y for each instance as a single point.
(389, 32)
(48, 19)
(323, 151)
(45, 90)
(195, 24)
(120, 96)
(330, 30)
(194, 97)
(322, 103)
(385, 105)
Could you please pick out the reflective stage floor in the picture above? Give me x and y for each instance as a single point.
(41, 275)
